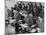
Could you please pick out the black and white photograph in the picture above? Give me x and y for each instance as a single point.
(23, 17)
